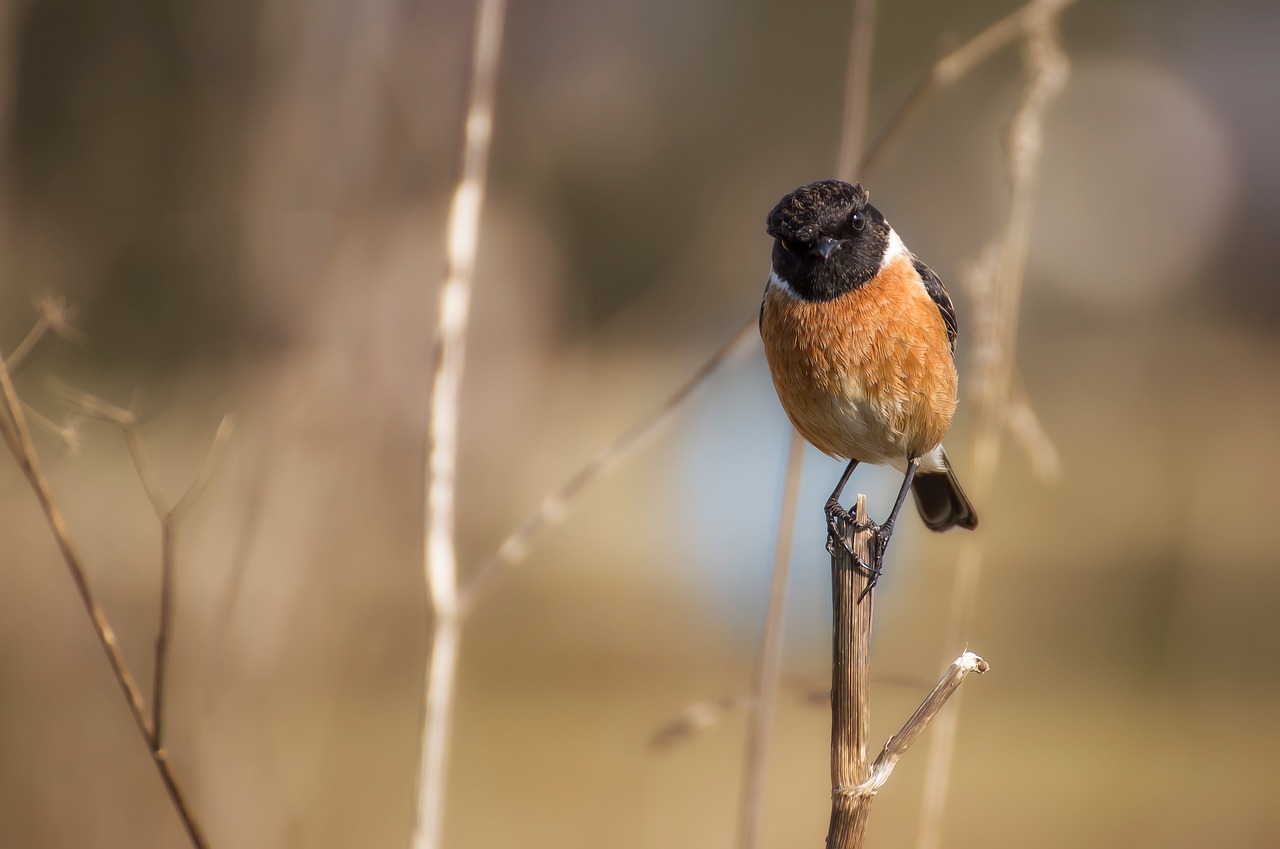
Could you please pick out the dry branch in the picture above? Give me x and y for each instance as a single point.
(914, 727)
(850, 162)
(957, 63)
(852, 599)
(439, 553)
(556, 503)
(855, 781)
(55, 318)
(17, 436)
(167, 516)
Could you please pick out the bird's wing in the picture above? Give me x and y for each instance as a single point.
(938, 292)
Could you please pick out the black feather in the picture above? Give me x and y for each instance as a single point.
(941, 501)
(933, 285)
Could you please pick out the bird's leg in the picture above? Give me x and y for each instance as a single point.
(837, 514)
(839, 518)
(885, 531)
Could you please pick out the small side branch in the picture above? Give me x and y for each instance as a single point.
(915, 726)
(128, 421)
(168, 529)
(55, 318)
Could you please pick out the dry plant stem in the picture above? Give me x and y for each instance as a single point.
(27, 345)
(854, 780)
(857, 90)
(957, 63)
(762, 706)
(168, 518)
(556, 503)
(127, 421)
(439, 550)
(933, 703)
(13, 428)
(850, 680)
(1047, 68)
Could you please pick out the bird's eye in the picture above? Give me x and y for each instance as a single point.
(789, 247)
(858, 220)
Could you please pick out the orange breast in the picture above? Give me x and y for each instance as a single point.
(868, 375)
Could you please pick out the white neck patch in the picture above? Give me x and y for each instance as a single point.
(894, 250)
(780, 283)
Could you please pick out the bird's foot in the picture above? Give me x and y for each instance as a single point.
(841, 525)
(873, 573)
(882, 536)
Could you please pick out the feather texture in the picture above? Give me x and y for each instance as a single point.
(866, 375)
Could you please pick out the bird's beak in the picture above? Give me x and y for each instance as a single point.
(825, 247)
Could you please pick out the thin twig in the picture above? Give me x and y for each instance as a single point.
(762, 706)
(55, 317)
(167, 516)
(1047, 67)
(142, 463)
(556, 503)
(857, 90)
(13, 428)
(68, 434)
(168, 519)
(212, 458)
(19, 356)
(1029, 433)
(957, 63)
(439, 552)
(916, 724)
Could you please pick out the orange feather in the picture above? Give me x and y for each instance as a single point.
(868, 375)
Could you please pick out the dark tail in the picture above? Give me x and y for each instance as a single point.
(941, 501)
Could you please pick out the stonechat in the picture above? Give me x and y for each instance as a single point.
(860, 337)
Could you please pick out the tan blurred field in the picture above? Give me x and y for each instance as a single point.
(244, 202)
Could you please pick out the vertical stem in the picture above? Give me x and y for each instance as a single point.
(439, 551)
(166, 625)
(446, 636)
(857, 92)
(765, 697)
(850, 679)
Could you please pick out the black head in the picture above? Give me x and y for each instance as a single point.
(827, 239)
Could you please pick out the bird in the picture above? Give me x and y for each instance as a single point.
(860, 339)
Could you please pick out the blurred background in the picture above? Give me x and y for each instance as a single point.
(244, 202)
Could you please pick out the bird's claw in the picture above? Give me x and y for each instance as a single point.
(839, 522)
(841, 525)
(882, 536)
